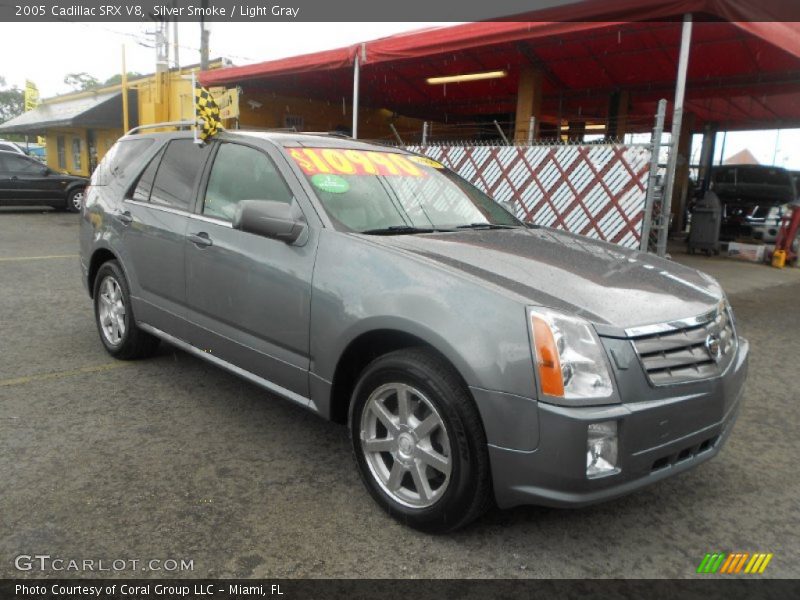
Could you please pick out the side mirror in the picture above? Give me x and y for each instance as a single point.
(45, 171)
(276, 220)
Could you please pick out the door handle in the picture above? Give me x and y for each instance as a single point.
(14, 178)
(200, 239)
(126, 218)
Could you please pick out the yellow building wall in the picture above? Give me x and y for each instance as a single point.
(74, 163)
(104, 139)
(174, 101)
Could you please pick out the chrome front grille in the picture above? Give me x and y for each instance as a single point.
(690, 350)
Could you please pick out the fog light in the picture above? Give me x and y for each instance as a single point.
(601, 449)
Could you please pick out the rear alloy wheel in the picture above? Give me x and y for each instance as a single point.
(113, 314)
(111, 311)
(418, 441)
(75, 200)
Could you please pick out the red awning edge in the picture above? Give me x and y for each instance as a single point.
(752, 17)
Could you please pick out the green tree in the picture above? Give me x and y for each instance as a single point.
(81, 81)
(116, 79)
(12, 101)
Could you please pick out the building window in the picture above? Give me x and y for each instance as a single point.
(293, 122)
(76, 153)
(61, 145)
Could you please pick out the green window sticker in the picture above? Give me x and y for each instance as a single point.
(330, 183)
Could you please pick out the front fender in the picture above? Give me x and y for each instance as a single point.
(359, 287)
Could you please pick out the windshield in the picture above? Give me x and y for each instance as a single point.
(375, 191)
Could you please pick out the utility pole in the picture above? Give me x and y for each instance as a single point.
(175, 47)
(203, 38)
(161, 37)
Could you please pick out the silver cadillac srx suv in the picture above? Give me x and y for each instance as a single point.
(476, 359)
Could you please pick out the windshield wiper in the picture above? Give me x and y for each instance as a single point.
(486, 226)
(401, 230)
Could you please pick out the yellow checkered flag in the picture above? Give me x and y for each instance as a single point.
(206, 112)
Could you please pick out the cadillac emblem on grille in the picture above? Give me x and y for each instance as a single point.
(713, 346)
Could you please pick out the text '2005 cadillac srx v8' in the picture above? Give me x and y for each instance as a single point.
(476, 359)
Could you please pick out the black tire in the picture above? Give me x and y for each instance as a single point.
(467, 493)
(75, 200)
(133, 342)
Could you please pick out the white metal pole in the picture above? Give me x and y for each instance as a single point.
(652, 179)
(194, 110)
(396, 135)
(677, 118)
(775, 153)
(722, 150)
(356, 74)
(502, 134)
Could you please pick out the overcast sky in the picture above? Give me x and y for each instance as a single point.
(46, 52)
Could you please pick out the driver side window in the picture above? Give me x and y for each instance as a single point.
(242, 173)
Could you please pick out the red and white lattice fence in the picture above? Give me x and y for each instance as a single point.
(593, 190)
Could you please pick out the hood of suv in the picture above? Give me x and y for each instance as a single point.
(604, 283)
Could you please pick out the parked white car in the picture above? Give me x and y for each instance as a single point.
(12, 147)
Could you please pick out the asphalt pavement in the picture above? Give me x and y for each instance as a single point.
(172, 459)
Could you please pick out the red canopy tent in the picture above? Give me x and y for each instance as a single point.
(744, 70)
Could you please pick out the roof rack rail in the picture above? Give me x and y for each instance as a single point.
(337, 134)
(176, 124)
(266, 129)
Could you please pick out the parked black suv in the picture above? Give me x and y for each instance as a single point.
(26, 181)
(753, 199)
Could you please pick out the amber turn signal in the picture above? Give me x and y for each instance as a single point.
(547, 361)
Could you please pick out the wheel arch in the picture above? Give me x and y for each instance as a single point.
(76, 185)
(99, 258)
(366, 347)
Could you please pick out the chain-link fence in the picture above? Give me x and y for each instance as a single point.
(598, 191)
(597, 186)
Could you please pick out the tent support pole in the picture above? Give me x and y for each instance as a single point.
(125, 118)
(356, 74)
(677, 118)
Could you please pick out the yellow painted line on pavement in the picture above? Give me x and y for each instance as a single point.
(50, 257)
(62, 374)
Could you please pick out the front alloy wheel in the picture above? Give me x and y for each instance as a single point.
(418, 441)
(405, 445)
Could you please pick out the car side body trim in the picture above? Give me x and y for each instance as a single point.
(259, 381)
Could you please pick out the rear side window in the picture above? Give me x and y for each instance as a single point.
(242, 173)
(144, 185)
(178, 173)
(120, 159)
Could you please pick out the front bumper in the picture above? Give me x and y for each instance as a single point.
(657, 438)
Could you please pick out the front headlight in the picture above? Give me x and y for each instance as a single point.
(570, 360)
